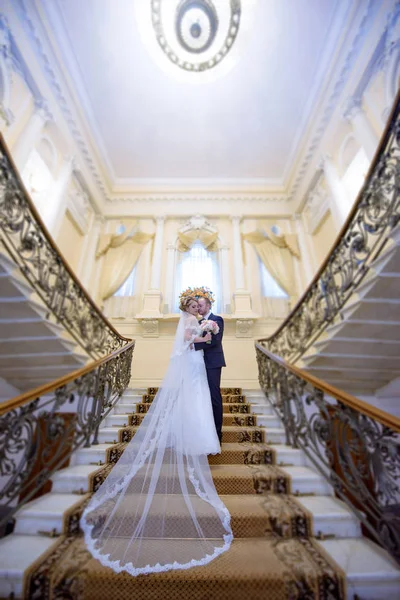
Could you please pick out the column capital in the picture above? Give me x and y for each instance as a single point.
(352, 108)
(99, 219)
(160, 219)
(236, 218)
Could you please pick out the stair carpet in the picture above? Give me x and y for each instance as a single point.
(360, 351)
(267, 486)
(33, 349)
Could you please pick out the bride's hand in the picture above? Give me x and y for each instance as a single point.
(207, 337)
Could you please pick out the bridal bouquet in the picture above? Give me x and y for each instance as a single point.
(209, 326)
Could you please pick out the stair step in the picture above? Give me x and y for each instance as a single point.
(304, 480)
(20, 308)
(284, 454)
(376, 309)
(29, 345)
(350, 361)
(44, 513)
(230, 434)
(331, 516)
(262, 409)
(351, 346)
(371, 573)
(40, 360)
(17, 553)
(249, 514)
(72, 479)
(249, 570)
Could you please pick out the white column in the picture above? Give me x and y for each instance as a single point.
(340, 205)
(56, 198)
(153, 297)
(169, 288)
(307, 262)
(30, 135)
(362, 128)
(238, 254)
(155, 281)
(88, 263)
(242, 297)
(225, 278)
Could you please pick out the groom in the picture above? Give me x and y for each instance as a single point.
(214, 361)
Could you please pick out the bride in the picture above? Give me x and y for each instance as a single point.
(158, 509)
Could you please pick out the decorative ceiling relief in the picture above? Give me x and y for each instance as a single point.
(196, 35)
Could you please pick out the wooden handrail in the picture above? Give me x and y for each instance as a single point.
(52, 243)
(346, 224)
(42, 390)
(364, 408)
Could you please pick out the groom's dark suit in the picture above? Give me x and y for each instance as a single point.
(214, 361)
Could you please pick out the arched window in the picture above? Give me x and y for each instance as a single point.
(198, 267)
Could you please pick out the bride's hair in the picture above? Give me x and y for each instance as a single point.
(185, 301)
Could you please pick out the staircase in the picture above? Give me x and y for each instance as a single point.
(360, 352)
(34, 349)
(288, 526)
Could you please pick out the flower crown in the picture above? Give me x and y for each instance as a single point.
(198, 292)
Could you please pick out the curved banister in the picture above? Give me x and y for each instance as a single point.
(354, 446)
(49, 274)
(330, 288)
(352, 402)
(41, 429)
(43, 390)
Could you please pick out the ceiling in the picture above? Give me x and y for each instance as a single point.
(239, 127)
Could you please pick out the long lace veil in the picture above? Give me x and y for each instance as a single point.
(158, 509)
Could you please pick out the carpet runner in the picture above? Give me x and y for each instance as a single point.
(273, 556)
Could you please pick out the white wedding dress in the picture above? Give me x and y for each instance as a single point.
(158, 509)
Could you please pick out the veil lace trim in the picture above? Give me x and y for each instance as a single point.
(123, 524)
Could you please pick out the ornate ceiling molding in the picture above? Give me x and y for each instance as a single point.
(36, 34)
(187, 33)
(42, 49)
(331, 103)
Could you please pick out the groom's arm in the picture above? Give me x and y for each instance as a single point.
(215, 339)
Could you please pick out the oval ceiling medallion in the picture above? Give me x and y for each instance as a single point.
(196, 35)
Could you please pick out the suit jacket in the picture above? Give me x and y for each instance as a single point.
(213, 353)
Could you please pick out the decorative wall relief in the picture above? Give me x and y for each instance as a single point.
(198, 228)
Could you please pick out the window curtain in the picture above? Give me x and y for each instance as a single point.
(276, 253)
(121, 255)
(187, 240)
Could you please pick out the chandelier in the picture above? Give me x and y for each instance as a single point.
(196, 35)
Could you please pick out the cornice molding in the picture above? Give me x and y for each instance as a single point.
(330, 105)
(195, 197)
(31, 23)
(37, 33)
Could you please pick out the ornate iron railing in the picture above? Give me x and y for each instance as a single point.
(374, 216)
(355, 446)
(40, 430)
(28, 242)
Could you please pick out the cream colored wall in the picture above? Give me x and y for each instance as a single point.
(151, 355)
(324, 237)
(70, 241)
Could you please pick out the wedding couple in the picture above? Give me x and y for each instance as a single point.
(158, 509)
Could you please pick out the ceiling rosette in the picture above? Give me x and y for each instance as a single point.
(196, 35)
